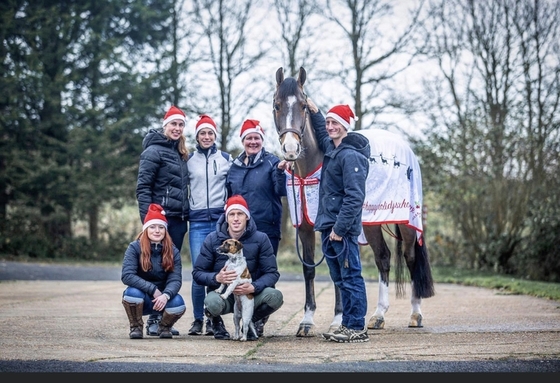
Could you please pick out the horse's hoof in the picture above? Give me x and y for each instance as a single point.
(376, 323)
(415, 320)
(306, 330)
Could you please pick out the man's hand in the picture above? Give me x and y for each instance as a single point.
(244, 289)
(311, 105)
(226, 276)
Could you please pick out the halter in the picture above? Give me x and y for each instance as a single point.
(298, 132)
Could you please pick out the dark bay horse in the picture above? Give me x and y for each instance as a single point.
(299, 144)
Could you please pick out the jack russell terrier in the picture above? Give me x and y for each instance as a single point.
(244, 304)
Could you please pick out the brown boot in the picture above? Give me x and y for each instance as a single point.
(134, 313)
(167, 321)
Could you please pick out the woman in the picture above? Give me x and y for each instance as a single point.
(208, 167)
(163, 178)
(259, 177)
(152, 272)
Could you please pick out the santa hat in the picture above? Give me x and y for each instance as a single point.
(174, 113)
(251, 126)
(237, 202)
(205, 122)
(155, 216)
(342, 114)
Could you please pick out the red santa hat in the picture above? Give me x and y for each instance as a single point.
(155, 216)
(237, 202)
(342, 114)
(174, 113)
(251, 126)
(205, 122)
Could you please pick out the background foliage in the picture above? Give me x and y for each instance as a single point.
(474, 86)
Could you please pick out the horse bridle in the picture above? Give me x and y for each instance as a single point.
(297, 132)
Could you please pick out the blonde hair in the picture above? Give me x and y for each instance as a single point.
(182, 146)
(146, 251)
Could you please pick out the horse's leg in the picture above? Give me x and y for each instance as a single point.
(374, 236)
(416, 265)
(307, 237)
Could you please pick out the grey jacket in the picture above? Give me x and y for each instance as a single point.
(207, 183)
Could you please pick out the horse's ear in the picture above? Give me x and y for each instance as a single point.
(279, 76)
(301, 76)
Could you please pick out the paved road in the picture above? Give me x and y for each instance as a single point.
(64, 318)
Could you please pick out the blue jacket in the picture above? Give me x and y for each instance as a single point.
(257, 249)
(207, 176)
(262, 185)
(147, 281)
(342, 188)
(163, 176)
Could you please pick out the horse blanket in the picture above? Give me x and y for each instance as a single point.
(393, 186)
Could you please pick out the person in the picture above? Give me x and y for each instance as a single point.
(259, 177)
(152, 272)
(208, 167)
(163, 179)
(339, 214)
(210, 270)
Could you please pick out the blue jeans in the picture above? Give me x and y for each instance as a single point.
(177, 228)
(197, 233)
(176, 305)
(346, 273)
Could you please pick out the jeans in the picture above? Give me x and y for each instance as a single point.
(216, 305)
(197, 233)
(346, 273)
(176, 305)
(177, 228)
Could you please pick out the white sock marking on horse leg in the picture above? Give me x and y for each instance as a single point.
(415, 302)
(308, 317)
(382, 299)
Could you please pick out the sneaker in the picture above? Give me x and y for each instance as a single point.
(196, 327)
(219, 328)
(327, 335)
(347, 335)
(209, 329)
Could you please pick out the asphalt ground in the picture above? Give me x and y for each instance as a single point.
(62, 318)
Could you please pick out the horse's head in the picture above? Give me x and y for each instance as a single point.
(290, 113)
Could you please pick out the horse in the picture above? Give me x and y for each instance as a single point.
(291, 108)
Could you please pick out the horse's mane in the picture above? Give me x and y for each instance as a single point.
(288, 87)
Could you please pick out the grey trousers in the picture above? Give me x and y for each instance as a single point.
(218, 306)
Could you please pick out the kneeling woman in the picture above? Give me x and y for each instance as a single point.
(152, 271)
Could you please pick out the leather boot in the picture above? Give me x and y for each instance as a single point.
(152, 325)
(134, 313)
(166, 322)
(260, 317)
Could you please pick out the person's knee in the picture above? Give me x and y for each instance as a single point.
(274, 298)
(214, 303)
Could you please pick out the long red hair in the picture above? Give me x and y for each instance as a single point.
(146, 252)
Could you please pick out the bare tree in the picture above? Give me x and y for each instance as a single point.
(295, 17)
(378, 52)
(225, 25)
(493, 143)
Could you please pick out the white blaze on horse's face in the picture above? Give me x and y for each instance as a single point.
(290, 143)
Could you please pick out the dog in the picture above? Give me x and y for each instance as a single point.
(244, 304)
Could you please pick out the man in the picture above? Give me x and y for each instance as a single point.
(209, 269)
(339, 215)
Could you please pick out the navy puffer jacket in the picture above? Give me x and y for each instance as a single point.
(163, 176)
(257, 249)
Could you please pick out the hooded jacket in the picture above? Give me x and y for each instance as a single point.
(257, 249)
(163, 176)
(343, 181)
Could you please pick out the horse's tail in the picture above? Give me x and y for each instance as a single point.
(400, 266)
(421, 274)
